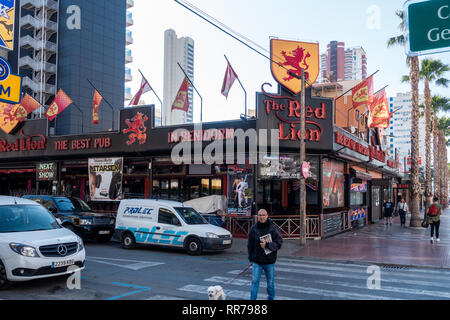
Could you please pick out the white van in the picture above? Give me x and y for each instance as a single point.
(167, 223)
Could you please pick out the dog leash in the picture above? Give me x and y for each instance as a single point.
(240, 274)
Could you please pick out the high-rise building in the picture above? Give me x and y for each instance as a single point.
(340, 64)
(61, 44)
(177, 50)
(128, 53)
(400, 127)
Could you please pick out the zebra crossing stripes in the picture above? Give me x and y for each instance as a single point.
(300, 279)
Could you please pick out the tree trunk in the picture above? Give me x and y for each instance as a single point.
(435, 156)
(443, 150)
(427, 143)
(415, 114)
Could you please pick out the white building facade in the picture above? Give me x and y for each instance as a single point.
(177, 50)
(399, 130)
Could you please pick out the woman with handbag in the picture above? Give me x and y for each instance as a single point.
(402, 209)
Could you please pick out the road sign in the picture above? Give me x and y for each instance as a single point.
(10, 84)
(428, 25)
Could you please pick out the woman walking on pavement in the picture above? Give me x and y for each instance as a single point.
(434, 218)
(402, 209)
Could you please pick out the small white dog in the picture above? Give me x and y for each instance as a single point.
(216, 292)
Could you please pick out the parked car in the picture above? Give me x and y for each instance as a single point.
(33, 244)
(77, 216)
(167, 223)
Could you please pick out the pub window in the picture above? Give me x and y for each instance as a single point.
(216, 186)
(155, 188)
(174, 187)
(358, 191)
(205, 187)
(164, 191)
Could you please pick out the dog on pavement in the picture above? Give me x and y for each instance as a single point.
(216, 292)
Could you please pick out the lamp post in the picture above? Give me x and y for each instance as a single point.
(302, 160)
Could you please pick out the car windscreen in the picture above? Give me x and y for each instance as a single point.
(71, 205)
(25, 218)
(190, 216)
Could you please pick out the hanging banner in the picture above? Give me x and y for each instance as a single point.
(240, 190)
(105, 179)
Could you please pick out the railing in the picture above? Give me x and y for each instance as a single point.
(289, 226)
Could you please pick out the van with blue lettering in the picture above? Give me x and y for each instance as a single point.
(167, 223)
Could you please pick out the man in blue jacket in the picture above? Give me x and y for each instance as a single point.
(264, 240)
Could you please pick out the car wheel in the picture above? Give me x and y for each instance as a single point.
(128, 241)
(193, 246)
(4, 282)
(104, 239)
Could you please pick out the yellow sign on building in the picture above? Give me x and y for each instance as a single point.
(11, 89)
(7, 13)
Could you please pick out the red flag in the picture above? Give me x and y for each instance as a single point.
(363, 93)
(181, 100)
(97, 100)
(378, 111)
(61, 102)
(230, 77)
(27, 105)
(145, 87)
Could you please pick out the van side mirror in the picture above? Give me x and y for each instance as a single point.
(175, 221)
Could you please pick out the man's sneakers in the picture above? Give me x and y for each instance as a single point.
(431, 241)
(437, 240)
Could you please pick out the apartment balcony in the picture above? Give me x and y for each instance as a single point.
(29, 42)
(128, 77)
(129, 19)
(129, 39)
(130, 4)
(32, 4)
(128, 57)
(30, 63)
(30, 22)
(128, 96)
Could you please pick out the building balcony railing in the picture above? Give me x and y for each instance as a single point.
(30, 63)
(129, 21)
(128, 77)
(128, 59)
(31, 4)
(36, 86)
(130, 4)
(128, 96)
(129, 39)
(28, 42)
(30, 22)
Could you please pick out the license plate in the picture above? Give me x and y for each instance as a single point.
(104, 232)
(226, 241)
(65, 263)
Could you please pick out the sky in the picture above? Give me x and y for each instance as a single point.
(357, 23)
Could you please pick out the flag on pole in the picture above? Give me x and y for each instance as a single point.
(27, 106)
(378, 111)
(230, 77)
(61, 102)
(145, 87)
(363, 93)
(181, 100)
(97, 100)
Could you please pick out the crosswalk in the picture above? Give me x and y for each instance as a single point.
(310, 279)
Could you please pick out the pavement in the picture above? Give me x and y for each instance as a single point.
(378, 243)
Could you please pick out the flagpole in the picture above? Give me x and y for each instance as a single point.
(245, 92)
(201, 99)
(356, 85)
(112, 108)
(82, 116)
(153, 92)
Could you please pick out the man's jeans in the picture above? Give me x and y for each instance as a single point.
(269, 271)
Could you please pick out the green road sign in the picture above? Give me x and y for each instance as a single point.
(428, 24)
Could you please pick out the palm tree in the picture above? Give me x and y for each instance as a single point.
(439, 103)
(413, 63)
(430, 71)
